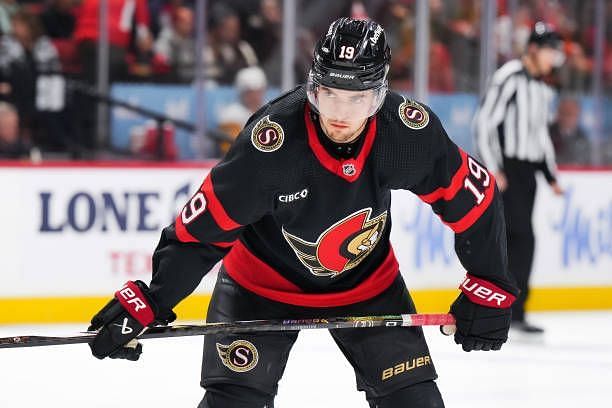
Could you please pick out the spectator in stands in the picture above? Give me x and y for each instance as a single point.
(7, 9)
(122, 15)
(251, 85)
(176, 46)
(11, 145)
(10, 53)
(464, 43)
(569, 139)
(143, 62)
(22, 69)
(58, 18)
(226, 53)
(399, 26)
(575, 75)
(440, 69)
(39, 89)
(264, 33)
(521, 25)
(23, 55)
(264, 30)
(162, 13)
(119, 34)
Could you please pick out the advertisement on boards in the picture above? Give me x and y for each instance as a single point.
(72, 231)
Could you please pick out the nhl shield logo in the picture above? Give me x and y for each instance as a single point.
(342, 246)
(240, 356)
(267, 135)
(349, 169)
(413, 115)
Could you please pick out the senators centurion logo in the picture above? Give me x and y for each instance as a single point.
(240, 356)
(413, 115)
(342, 246)
(267, 135)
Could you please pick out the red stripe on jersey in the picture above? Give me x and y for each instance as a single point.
(215, 207)
(474, 214)
(348, 169)
(181, 232)
(447, 193)
(224, 244)
(256, 276)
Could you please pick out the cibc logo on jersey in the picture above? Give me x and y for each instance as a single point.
(289, 198)
(342, 246)
(240, 356)
(267, 135)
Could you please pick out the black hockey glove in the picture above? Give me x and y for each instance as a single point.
(122, 319)
(482, 313)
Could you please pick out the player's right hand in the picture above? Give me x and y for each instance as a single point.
(122, 319)
(483, 314)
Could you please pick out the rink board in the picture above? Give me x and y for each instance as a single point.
(74, 233)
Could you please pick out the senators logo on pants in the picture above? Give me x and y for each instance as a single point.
(240, 356)
(342, 246)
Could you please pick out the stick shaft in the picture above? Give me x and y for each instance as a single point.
(244, 327)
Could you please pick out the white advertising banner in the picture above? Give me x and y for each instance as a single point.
(573, 236)
(86, 230)
(83, 230)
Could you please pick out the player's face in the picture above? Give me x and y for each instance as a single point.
(344, 113)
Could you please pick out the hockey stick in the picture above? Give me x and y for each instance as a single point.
(246, 326)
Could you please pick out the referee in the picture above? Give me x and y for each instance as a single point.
(511, 128)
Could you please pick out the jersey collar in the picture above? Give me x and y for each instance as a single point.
(348, 169)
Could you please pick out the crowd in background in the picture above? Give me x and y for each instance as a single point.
(45, 44)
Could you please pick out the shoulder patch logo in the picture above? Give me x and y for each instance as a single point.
(413, 115)
(240, 356)
(267, 135)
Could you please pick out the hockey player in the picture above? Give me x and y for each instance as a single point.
(299, 212)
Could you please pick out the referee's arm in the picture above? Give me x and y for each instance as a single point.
(490, 115)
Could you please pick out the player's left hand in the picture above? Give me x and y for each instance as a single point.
(482, 313)
(122, 319)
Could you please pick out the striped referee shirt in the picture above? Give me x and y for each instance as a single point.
(512, 120)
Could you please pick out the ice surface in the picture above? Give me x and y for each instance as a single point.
(570, 366)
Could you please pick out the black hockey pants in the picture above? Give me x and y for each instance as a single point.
(243, 370)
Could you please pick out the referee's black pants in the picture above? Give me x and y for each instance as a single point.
(518, 198)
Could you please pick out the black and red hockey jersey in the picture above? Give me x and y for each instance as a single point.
(296, 224)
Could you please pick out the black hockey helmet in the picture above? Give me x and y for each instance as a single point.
(353, 55)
